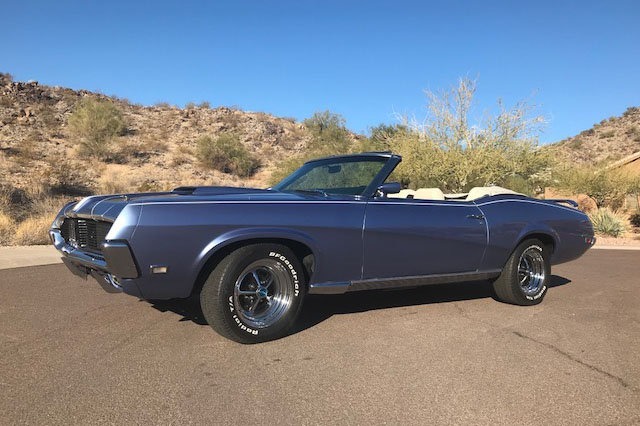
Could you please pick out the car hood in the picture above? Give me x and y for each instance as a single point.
(108, 207)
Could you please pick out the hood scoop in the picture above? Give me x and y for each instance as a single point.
(214, 190)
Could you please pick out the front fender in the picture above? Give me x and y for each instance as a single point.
(245, 234)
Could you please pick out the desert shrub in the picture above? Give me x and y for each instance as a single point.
(117, 179)
(204, 105)
(162, 104)
(94, 125)
(64, 176)
(446, 150)
(607, 222)
(227, 154)
(189, 105)
(285, 168)
(329, 136)
(6, 76)
(182, 154)
(27, 227)
(635, 219)
(607, 187)
(608, 134)
(5, 197)
(12, 198)
(149, 186)
(7, 228)
(27, 151)
(325, 120)
(382, 135)
(49, 116)
(33, 230)
(49, 205)
(576, 144)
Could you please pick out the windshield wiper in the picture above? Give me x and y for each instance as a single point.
(312, 191)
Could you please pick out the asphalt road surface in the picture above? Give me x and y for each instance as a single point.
(72, 354)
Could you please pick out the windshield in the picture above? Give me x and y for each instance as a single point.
(347, 176)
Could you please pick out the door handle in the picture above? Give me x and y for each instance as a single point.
(476, 216)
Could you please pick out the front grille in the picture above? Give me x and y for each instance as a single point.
(86, 234)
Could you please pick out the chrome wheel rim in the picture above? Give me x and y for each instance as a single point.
(263, 293)
(531, 271)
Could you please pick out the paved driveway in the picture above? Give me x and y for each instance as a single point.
(72, 354)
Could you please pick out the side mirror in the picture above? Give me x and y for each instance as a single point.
(389, 188)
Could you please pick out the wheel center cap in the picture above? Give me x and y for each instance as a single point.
(262, 292)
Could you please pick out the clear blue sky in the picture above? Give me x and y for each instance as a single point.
(361, 59)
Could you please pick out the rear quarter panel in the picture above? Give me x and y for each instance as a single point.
(509, 221)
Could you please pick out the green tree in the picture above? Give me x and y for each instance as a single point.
(446, 150)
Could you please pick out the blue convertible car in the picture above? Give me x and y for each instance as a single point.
(333, 226)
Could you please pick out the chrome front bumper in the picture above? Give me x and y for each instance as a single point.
(116, 262)
(76, 255)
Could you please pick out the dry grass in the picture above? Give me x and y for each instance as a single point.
(6, 229)
(182, 154)
(32, 231)
(28, 224)
(117, 179)
(61, 174)
(27, 152)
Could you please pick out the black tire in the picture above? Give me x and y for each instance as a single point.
(510, 288)
(229, 312)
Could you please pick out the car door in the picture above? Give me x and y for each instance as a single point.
(409, 237)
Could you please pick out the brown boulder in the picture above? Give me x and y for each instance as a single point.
(586, 203)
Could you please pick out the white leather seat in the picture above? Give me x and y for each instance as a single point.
(405, 193)
(481, 191)
(429, 194)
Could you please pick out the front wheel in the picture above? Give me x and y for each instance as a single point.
(254, 294)
(525, 277)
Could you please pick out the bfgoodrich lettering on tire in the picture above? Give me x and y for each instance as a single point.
(254, 294)
(525, 277)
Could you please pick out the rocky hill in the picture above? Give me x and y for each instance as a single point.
(155, 152)
(42, 167)
(607, 141)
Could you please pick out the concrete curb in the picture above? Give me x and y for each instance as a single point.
(612, 247)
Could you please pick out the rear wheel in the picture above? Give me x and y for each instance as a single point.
(254, 294)
(525, 277)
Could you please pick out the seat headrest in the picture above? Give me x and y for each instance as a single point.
(429, 194)
(405, 193)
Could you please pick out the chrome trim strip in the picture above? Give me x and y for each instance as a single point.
(533, 202)
(400, 282)
(452, 203)
(74, 254)
(329, 288)
(419, 280)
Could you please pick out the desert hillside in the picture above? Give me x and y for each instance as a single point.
(607, 141)
(155, 151)
(42, 164)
